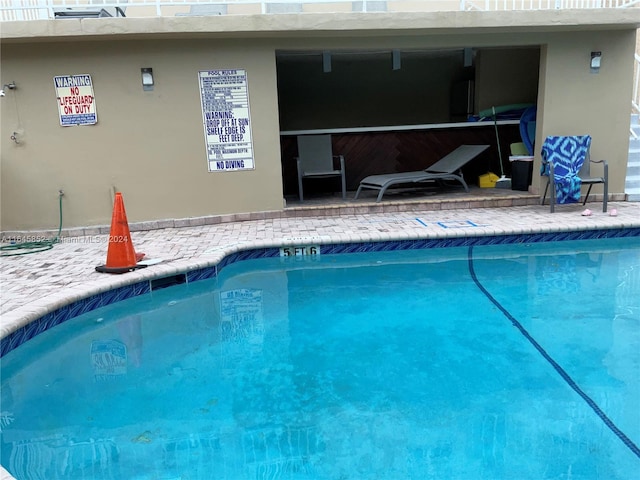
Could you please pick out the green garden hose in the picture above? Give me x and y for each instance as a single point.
(35, 246)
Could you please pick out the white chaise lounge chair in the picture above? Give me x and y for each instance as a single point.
(447, 168)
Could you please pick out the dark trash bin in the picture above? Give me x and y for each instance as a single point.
(521, 172)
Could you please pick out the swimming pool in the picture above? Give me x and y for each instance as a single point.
(510, 361)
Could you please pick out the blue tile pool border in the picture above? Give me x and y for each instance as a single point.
(72, 310)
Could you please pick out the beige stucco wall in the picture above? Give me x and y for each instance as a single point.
(150, 145)
(574, 101)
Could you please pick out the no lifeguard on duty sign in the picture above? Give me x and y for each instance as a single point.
(76, 102)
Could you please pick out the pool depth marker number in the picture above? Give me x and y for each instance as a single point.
(300, 251)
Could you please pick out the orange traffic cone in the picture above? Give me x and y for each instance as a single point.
(121, 257)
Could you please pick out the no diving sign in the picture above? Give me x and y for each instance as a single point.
(76, 103)
(227, 122)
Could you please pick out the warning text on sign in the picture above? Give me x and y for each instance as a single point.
(226, 119)
(76, 102)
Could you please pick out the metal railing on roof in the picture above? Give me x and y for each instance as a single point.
(495, 5)
(16, 10)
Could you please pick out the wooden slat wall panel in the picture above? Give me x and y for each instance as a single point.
(389, 152)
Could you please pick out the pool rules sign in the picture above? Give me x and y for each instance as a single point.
(76, 103)
(227, 123)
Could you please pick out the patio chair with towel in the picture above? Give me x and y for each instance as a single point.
(316, 160)
(447, 168)
(566, 163)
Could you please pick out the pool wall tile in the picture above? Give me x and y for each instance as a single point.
(202, 274)
(56, 317)
(102, 299)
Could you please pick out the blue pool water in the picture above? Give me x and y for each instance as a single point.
(495, 362)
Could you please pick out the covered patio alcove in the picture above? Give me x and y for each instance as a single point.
(401, 109)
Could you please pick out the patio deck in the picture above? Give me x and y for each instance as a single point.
(35, 284)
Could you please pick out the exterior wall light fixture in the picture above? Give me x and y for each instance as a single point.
(596, 58)
(147, 78)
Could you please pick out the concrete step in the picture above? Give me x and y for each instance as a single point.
(633, 170)
(635, 126)
(633, 193)
(632, 184)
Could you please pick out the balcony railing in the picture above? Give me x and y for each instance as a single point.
(15, 10)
